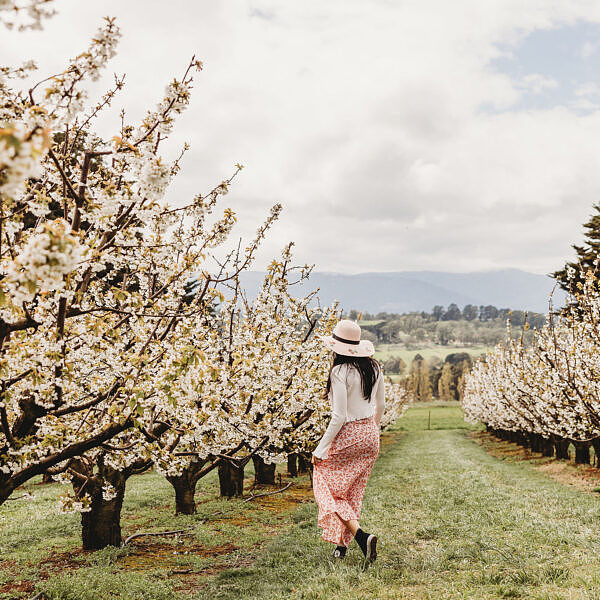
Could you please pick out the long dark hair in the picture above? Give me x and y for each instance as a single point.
(367, 367)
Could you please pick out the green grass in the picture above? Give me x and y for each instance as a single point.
(454, 523)
(385, 351)
(37, 542)
(433, 415)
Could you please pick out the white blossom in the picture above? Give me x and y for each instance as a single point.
(551, 388)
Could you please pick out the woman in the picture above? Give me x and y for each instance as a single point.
(347, 451)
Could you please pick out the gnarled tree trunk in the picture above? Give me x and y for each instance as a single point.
(263, 472)
(596, 446)
(305, 464)
(501, 434)
(302, 463)
(561, 447)
(101, 525)
(547, 447)
(231, 478)
(523, 440)
(582, 453)
(185, 487)
(292, 465)
(535, 442)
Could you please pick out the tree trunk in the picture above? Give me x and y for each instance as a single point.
(305, 464)
(561, 447)
(596, 446)
(302, 464)
(582, 453)
(519, 438)
(231, 479)
(101, 526)
(292, 465)
(532, 442)
(263, 472)
(185, 487)
(184, 494)
(501, 434)
(547, 447)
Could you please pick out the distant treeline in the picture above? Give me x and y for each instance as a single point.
(473, 325)
(428, 379)
(469, 312)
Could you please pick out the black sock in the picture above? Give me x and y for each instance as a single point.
(341, 550)
(361, 539)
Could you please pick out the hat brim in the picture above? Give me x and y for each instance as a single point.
(363, 348)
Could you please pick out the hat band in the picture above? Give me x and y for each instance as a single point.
(339, 339)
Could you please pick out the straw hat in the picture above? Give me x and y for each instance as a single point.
(345, 340)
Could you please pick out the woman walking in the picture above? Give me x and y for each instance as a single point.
(347, 451)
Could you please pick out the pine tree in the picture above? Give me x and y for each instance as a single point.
(419, 382)
(445, 383)
(460, 385)
(587, 255)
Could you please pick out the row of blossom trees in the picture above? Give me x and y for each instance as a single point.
(546, 395)
(94, 263)
(108, 364)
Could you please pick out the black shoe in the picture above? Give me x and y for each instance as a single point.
(367, 543)
(339, 552)
(371, 548)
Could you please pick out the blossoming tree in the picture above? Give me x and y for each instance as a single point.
(257, 383)
(25, 14)
(546, 396)
(94, 264)
(264, 370)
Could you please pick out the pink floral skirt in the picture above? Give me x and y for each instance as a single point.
(339, 480)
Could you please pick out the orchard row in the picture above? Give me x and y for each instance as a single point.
(110, 362)
(545, 395)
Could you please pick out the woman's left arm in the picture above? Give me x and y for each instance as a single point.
(338, 413)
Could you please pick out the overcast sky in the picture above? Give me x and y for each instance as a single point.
(398, 135)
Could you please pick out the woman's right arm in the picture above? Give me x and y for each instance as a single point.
(379, 397)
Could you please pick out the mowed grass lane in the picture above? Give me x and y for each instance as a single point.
(454, 522)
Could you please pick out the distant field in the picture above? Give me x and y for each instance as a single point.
(367, 323)
(384, 351)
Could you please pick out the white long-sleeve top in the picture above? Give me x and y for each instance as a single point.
(348, 403)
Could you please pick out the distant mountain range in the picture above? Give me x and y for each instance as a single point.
(407, 291)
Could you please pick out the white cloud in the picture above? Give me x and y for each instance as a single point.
(588, 89)
(364, 118)
(536, 83)
(588, 49)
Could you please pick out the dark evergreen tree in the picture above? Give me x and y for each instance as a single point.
(437, 312)
(470, 312)
(453, 313)
(587, 255)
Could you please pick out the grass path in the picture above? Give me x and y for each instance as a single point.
(385, 351)
(454, 522)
